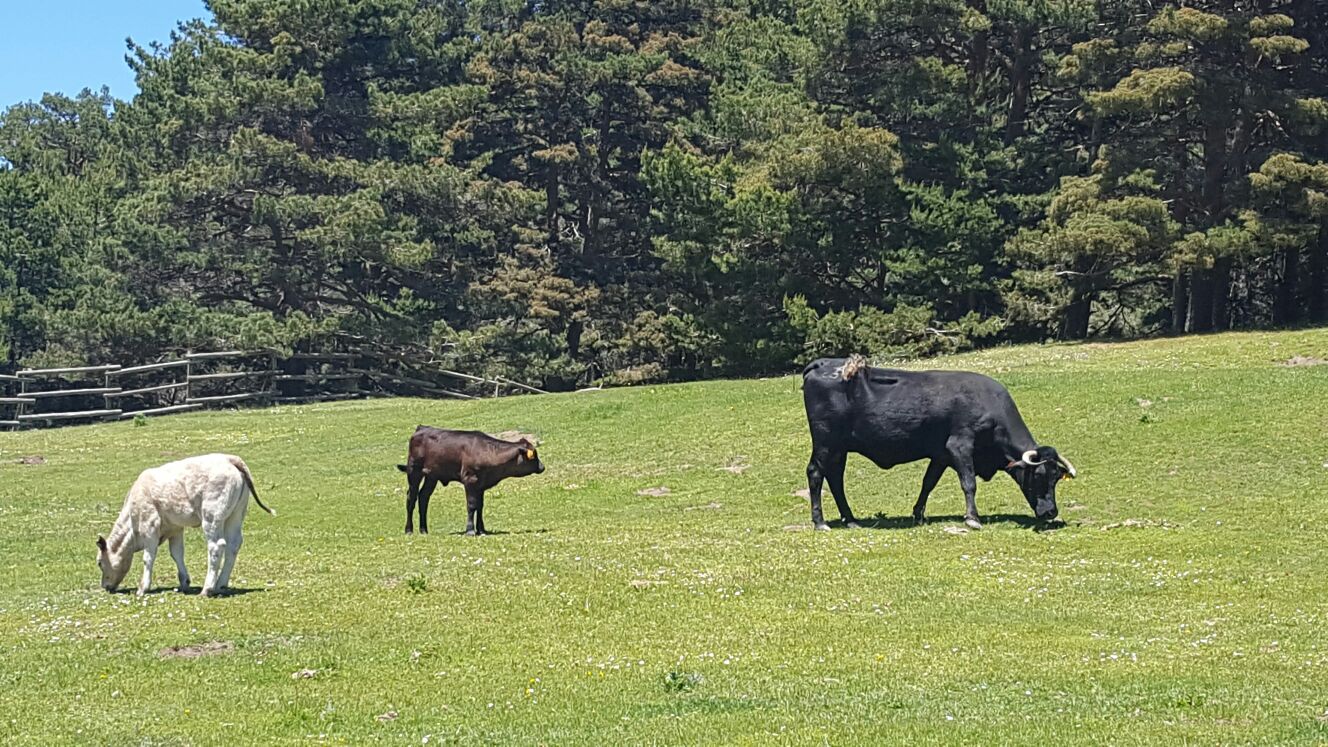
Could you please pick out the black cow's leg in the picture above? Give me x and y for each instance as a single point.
(412, 493)
(934, 471)
(815, 475)
(834, 474)
(479, 513)
(968, 480)
(426, 492)
(472, 507)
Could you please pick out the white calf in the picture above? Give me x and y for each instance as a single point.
(207, 491)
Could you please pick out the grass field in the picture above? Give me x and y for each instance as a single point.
(1184, 601)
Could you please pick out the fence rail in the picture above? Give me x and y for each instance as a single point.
(208, 379)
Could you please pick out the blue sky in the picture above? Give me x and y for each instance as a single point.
(69, 45)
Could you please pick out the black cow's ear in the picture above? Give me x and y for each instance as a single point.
(101, 543)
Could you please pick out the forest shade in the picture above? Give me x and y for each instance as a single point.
(623, 191)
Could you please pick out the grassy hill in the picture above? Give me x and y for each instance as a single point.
(1185, 598)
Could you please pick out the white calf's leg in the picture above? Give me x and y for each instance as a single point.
(177, 552)
(149, 555)
(234, 539)
(216, 544)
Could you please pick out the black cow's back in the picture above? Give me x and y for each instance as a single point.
(893, 416)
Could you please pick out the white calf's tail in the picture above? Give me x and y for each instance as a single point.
(249, 483)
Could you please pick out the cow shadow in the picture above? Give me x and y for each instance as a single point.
(501, 532)
(192, 591)
(881, 521)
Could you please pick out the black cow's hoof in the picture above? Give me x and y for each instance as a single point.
(470, 533)
(822, 527)
(919, 519)
(973, 524)
(409, 530)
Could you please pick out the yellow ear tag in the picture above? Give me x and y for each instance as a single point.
(1065, 475)
(530, 453)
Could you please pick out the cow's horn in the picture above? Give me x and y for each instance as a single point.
(1065, 463)
(1029, 457)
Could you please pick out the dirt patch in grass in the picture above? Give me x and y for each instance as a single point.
(197, 650)
(737, 465)
(32, 459)
(516, 436)
(1138, 523)
(655, 492)
(803, 493)
(1303, 360)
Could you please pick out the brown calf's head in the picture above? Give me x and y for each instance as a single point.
(113, 566)
(527, 461)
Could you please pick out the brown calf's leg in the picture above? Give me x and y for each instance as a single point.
(473, 497)
(479, 513)
(425, 493)
(412, 493)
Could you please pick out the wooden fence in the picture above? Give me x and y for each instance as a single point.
(56, 396)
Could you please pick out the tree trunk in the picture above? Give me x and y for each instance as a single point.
(551, 206)
(1199, 317)
(1020, 83)
(1221, 293)
(1231, 189)
(977, 57)
(1286, 309)
(1318, 309)
(1180, 299)
(1204, 285)
(1180, 210)
(1074, 322)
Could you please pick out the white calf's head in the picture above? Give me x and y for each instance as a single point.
(113, 566)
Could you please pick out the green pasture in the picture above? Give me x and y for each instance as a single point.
(1185, 600)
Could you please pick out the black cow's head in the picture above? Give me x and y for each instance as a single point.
(1037, 473)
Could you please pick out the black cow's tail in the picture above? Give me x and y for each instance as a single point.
(403, 468)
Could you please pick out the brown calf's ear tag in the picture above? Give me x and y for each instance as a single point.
(530, 454)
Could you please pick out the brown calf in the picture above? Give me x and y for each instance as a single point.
(476, 460)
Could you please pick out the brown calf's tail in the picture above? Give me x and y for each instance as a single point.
(249, 483)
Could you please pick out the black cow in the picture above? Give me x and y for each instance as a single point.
(956, 419)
